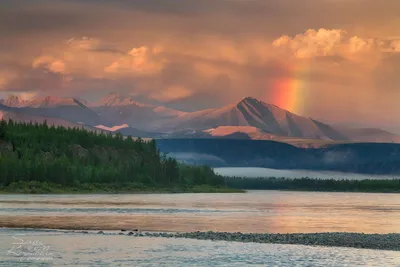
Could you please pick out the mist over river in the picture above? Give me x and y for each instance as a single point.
(253, 172)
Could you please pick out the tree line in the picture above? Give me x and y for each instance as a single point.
(73, 156)
(312, 184)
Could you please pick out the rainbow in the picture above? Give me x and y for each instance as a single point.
(292, 91)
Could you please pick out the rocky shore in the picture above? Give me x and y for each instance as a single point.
(355, 240)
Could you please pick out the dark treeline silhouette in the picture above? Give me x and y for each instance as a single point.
(309, 184)
(367, 158)
(69, 157)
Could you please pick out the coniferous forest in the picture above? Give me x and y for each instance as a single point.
(38, 157)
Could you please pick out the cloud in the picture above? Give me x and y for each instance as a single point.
(138, 61)
(50, 63)
(92, 45)
(207, 53)
(333, 42)
(312, 43)
(395, 45)
(5, 77)
(98, 59)
(174, 92)
(357, 44)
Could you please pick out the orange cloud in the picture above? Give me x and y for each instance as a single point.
(6, 76)
(395, 45)
(138, 61)
(325, 42)
(52, 64)
(312, 43)
(97, 59)
(174, 92)
(85, 43)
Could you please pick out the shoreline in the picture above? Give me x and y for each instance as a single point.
(390, 242)
(98, 188)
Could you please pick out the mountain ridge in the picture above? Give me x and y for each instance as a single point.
(266, 121)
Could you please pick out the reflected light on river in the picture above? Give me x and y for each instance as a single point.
(255, 211)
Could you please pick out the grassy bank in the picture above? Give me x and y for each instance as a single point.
(34, 187)
(311, 184)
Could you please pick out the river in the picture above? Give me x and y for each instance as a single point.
(255, 211)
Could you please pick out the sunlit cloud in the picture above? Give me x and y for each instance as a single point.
(330, 42)
(138, 61)
(171, 93)
(312, 43)
(50, 63)
(5, 77)
(205, 53)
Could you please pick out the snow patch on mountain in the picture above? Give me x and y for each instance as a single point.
(112, 129)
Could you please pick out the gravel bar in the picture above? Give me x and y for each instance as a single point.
(354, 240)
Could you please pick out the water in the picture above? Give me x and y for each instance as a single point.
(255, 211)
(69, 249)
(266, 172)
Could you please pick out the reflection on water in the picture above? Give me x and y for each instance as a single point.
(255, 211)
(99, 250)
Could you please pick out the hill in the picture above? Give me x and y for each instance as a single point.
(371, 158)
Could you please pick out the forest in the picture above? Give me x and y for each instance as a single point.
(311, 184)
(39, 157)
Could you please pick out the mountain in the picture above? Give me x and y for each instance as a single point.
(8, 113)
(65, 108)
(244, 131)
(40, 102)
(53, 101)
(248, 118)
(126, 130)
(112, 129)
(115, 99)
(370, 135)
(13, 101)
(250, 112)
(368, 158)
(120, 109)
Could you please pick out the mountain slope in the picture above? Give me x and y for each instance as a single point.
(13, 101)
(66, 108)
(7, 113)
(121, 109)
(248, 118)
(250, 112)
(370, 135)
(368, 158)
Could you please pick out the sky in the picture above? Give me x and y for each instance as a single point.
(337, 61)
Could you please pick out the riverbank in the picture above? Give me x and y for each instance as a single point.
(355, 240)
(34, 187)
(329, 239)
(316, 185)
